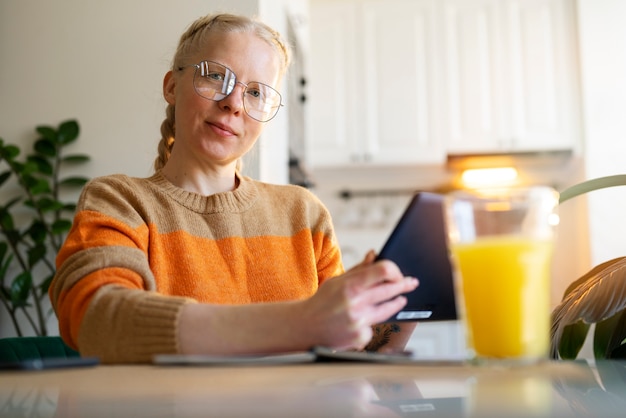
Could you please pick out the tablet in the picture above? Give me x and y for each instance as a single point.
(418, 245)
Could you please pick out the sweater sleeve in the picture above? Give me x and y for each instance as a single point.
(104, 293)
(329, 263)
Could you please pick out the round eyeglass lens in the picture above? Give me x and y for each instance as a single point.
(214, 81)
(261, 102)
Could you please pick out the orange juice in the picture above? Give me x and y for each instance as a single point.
(505, 283)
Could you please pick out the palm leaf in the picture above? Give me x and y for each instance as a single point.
(594, 271)
(600, 294)
(597, 297)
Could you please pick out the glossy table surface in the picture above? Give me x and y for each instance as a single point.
(341, 389)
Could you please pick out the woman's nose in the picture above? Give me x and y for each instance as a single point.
(234, 101)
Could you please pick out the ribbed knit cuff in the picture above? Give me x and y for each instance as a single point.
(130, 326)
(155, 326)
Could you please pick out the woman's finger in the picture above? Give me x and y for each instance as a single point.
(385, 291)
(374, 274)
(383, 311)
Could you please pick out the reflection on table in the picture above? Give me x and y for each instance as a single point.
(555, 389)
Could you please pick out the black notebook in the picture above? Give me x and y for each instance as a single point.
(418, 245)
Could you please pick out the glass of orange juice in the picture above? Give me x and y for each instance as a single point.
(501, 243)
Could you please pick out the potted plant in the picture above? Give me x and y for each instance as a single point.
(34, 221)
(598, 297)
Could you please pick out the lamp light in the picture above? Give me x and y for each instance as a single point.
(488, 177)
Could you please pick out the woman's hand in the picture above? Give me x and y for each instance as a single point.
(341, 314)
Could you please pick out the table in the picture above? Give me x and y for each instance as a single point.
(341, 389)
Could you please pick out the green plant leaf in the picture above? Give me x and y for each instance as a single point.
(46, 204)
(47, 132)
(9, 152)
(37, 186)
(619, 352)
(46, 147)
(5, 294)
(26, 248)
(6, 220)
(61, 226)
(20, 288)
(13, 236)
(4, 176)
(4, 264)
(69, 207)
(572, 340)
(75, 181)
(4, 247)
(43, 165)
(27, 168)
(36, 254)
(68, 132)
(618, 336)
(17, 167)
(76, 158)
(602, 335)
(37, 231)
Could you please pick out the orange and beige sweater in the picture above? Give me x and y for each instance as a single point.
(140, 248)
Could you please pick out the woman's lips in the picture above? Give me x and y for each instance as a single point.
(221, 129)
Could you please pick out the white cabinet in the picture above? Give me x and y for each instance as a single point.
(373, 73)
(399, 88)
(510, 77)
(333, 117)
(407, 81)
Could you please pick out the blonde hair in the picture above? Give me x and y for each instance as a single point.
(192, 40)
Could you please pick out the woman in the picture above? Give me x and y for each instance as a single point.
(198, 259)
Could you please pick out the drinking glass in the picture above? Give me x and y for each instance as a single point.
(501, 243)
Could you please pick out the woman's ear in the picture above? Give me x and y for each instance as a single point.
(169, 88)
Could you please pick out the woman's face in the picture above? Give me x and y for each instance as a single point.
(210, 133)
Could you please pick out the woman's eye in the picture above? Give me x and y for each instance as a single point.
(216, 76)
(254, 93)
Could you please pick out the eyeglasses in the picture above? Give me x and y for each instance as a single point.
(215, 81)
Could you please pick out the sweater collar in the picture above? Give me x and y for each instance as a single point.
(237, 200)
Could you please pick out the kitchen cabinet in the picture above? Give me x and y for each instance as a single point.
(406, 82)
(510, 75)
(373, 74)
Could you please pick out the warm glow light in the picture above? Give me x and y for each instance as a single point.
(554, 219)
(486, 177)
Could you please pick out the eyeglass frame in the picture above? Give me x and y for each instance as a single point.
(198, 66)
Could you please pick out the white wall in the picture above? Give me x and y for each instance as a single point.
(103, 62)
(602, 28)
